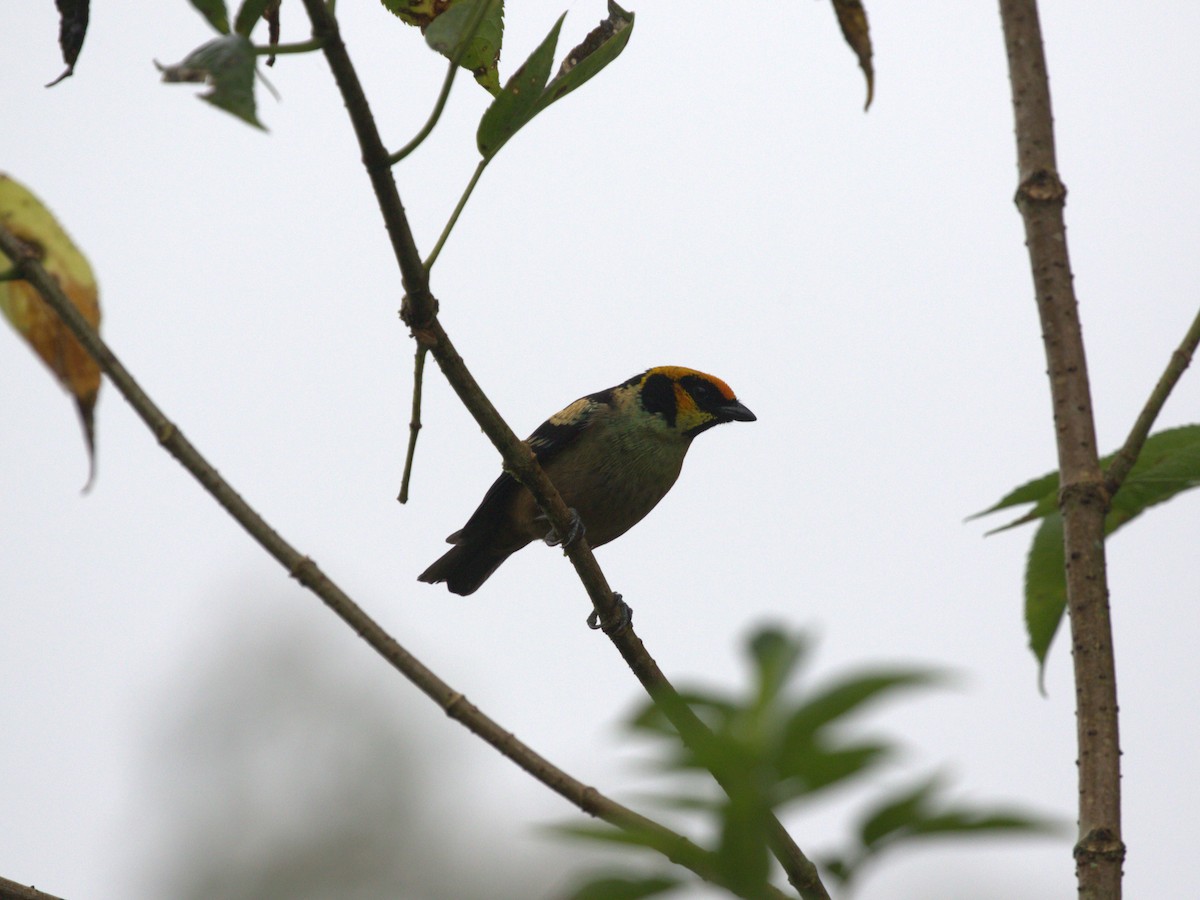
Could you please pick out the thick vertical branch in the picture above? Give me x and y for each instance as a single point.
(1083, 497)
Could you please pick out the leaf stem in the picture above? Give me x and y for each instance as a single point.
(420, 136)
(284, 49)
(476, 20)
(462, 201)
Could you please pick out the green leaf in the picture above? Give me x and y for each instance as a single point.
(602, 45)
(712, 709)
(897, 812)
(624, 888)
(805, 769)
(527, 92)
(447, 32)
(1168, 464)
(226, 64)
(912, 813)
(248, 15)
(845, 696)
(1045, 590)
(214, 11)
(516, 103)
(964, 822)
(630, 836)
(743, 856)
(775, 657)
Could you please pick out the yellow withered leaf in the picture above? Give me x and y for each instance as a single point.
(22, 214)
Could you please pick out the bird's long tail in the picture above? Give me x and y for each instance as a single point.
(464, 567)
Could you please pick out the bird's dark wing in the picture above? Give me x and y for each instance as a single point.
(547, 441)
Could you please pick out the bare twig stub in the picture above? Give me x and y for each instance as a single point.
(1083, 497)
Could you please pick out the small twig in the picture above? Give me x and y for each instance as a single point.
(1118, 470)
(1083, 497)
(462, 201)
(12, 890)
(306, 571)
(414, 425)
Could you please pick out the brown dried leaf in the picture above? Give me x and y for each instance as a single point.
(853, 20)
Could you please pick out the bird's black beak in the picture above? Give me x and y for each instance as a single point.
(734, 411)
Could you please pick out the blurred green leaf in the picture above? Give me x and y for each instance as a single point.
(743, 855)
(248, 15)
(845, 696)
(226, 64)
(916, 813)
(616, 887)
(448, 31)
(773, 744)
(806, 769)
(775, 657)
(896, 813)
(607, 834)
(712, 709)
(214, 11)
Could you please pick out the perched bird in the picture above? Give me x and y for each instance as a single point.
(612, 455)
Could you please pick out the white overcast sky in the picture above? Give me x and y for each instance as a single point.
(716, 199)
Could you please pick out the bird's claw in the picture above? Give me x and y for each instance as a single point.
(623, 620)
(577, 531)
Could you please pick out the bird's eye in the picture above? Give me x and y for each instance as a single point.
(704, 392)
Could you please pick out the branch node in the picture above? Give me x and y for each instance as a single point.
(588, 801)
(305, 571)
(1099, 845)
(1042, 186)
(454, 700)
(417, 311)
(1084, 493)
(166, 432)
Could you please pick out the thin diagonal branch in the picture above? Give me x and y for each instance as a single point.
(12, 890)
(676, 847)
(420, 313)
(1083, 496)
(1121, 465)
